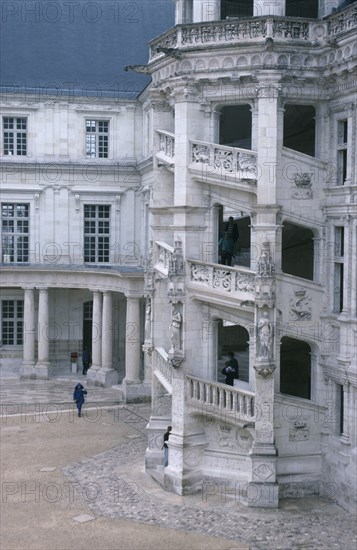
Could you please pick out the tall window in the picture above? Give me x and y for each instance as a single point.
(96, 233)
(15, 232)
(338, 268)
(97, 137)
(12, 322)
(342, 146)
(15, 135)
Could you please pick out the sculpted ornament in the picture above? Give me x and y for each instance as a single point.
(265, 336)
(300, 306)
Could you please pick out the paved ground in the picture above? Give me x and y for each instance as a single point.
(70, 482)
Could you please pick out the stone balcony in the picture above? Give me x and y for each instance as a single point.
(212, 162)
(238, 31)
(220, 283)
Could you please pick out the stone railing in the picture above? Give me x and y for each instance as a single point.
(166, 145)
(343, 21)
(242, 30)
(164, 253)
(223, 278)
(162, 368)
(220, 399)
(221, 158)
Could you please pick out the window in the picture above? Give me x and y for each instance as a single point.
(12, 322)
(338, 269)
(96, 233)
(15, 135)
(342, 138)
(341, 407)
(97, 134)
(15, 232)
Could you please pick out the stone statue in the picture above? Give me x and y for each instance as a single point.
(175, 330)
(265, 335)
(148, 320)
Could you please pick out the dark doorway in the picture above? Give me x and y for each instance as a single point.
(87, 325)
(302, 8)
(233, 338)
(242, 244)
(297, 251)
(295, 368)
(299, 128)
(235, 128)
(236, 8)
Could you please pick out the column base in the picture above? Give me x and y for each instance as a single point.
(91, 376)
(106, 378)
(136, 391)
(154, 455)
(262, 495)
(43, 371)
(27, 370)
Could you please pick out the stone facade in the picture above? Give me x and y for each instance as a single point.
(111, 219)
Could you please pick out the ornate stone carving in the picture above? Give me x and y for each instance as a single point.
(229, 159)
(245, 283)
(299, 431)
(300, 306)
(263, 471)
(222, 279)
(303, 186)
(265, 266)
(264, 369)
(291, 29)
(199, 273)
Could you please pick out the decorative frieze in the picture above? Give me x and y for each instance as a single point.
(343, 21)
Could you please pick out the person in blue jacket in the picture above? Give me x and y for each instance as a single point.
(78, 397)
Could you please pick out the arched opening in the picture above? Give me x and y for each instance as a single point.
(236, 8)
(235, 129)
(295, 368)
(297, 251)
(240, 233)
(299, 128)
(233, 338)
(302, 8)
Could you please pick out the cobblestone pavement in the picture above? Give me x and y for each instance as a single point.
(119, 488)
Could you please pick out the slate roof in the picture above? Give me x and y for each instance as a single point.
(79, 45)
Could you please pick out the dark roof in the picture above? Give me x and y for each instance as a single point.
(81, 45)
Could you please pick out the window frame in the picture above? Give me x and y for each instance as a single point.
(17, 134)
(20, 246)
(96, 244)
(98, 137)
(16, 320)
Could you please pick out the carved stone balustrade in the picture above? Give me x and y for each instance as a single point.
(253, 29)
(162, 368)
(166, 147)
(343, 21)
(164, 255)
(238, 282)
(221, 159)
(220, 400)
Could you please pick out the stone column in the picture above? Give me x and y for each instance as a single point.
(96, 337)
(132, 387)
(107, 376)
(43, 366)
(263, 488)
(27, 369)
